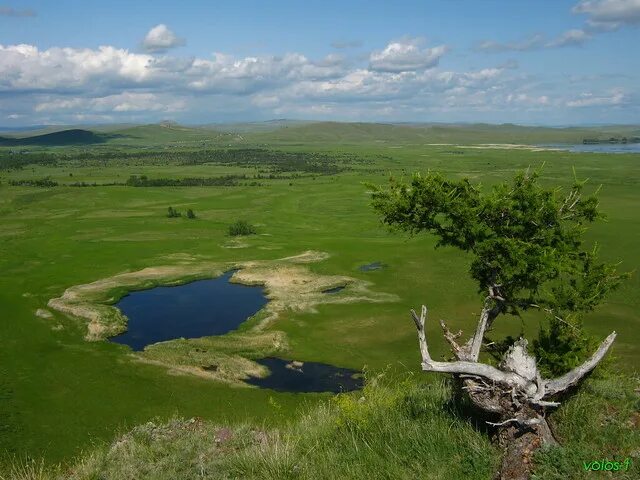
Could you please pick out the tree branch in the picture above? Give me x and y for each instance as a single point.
(422, 339)
(487, 316)
(451, 338)
(521, 421)
(561, 384)
(461, 367)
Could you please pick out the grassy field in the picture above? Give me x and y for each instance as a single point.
(60, 394)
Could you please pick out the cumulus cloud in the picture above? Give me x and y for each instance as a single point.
(12, 12)
(26, 68)
(161, 39)
(122, 102)
(67, 85)
(405, 56)
(589, 99)
(602, 16)
(609, 14)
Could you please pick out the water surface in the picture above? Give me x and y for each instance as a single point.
(193, 310)
(599, 147)
(288, 376)
(334, 289)
(371, 266)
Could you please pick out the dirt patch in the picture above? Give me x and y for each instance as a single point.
(42, 313)
(289, 285)
(509, 146)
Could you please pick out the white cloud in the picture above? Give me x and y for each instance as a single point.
(602, 16)
(122, 102)
(160, 39)
(530, 43)
(615, 97)
(406, 56)
(24, 67)
(527, 100)
(609, 14)
(64, 85)
(569, 38)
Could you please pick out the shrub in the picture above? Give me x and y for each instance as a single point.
(241, 227)
(191, 214)
(173, 213)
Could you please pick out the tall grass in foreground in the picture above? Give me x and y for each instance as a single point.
(392, 430)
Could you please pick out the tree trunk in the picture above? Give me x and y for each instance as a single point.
(520, 430)
(519, 443)
(514, 391)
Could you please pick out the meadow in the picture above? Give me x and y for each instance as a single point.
(60, 394)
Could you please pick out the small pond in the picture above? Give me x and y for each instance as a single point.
(334, 289)
(288, 376)
(197, 309)
(371, 266)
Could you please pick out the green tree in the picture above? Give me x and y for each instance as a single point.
(241, 227)
(526, 251)
(190, 214)
(173, 213)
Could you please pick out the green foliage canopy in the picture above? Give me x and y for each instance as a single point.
(525, 241)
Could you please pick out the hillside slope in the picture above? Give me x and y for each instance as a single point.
(392, 429)
(62, 138)
(358, 133)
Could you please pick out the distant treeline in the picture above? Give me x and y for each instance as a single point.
(10, 160)
(278, 161)
(597, 141)
(225, 181)
(266, 161)
(39, 182)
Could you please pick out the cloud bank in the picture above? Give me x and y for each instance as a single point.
(402, 80)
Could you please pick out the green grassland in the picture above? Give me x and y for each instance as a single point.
(60, 394)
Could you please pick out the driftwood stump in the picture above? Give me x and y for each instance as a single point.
(514, 392)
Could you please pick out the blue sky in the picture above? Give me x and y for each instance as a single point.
(531, 62)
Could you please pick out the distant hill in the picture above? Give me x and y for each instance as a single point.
(255, 127)
(357, 133)
(168, 133)
(62, 138)
(296, 132)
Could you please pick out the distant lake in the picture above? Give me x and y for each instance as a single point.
(193, 310)
(599, 147)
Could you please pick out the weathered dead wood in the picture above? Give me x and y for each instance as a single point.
(515, 390)
(574, 376)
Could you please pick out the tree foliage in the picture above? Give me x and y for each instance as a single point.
(241, 227)
(525, 241)
(173, 213)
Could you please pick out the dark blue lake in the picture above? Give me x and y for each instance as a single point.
(288, 376)
(192, 310)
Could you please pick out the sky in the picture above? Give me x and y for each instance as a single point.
(542, 62)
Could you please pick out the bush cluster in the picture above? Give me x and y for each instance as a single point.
(241, 227)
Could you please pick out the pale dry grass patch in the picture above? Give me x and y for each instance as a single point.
(289, 285)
